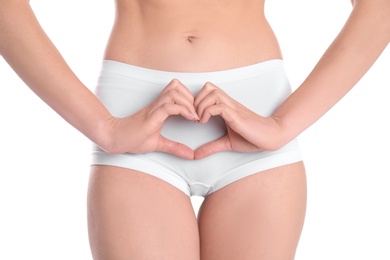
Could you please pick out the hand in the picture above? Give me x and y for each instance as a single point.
(140, 132)
(246, 130)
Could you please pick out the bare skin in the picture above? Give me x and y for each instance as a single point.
(136, 216)
(258, 217)
(133, 215)
(211, 35)
(127, 222)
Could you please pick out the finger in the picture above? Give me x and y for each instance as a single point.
(174, 93)
(175, 97)
(179, 87)
(205, 91)
(219, 145)
(161, 113)
(214, 96)
(167, 146)
(221, 110)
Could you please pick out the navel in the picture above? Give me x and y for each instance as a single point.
(190, 39)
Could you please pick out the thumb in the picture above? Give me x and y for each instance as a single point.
(219, 145)
(168, 146)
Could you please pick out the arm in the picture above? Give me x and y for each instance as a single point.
(25, 46)
(32, 55)
(363, 38)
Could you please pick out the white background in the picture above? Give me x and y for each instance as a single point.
(44, 162)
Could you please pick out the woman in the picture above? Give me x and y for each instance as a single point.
(135, 204)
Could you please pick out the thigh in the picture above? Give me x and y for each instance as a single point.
(133, 215)
(258, 217)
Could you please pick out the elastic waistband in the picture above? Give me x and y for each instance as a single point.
(159, 76)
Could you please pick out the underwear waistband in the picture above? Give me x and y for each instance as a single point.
(159, 76)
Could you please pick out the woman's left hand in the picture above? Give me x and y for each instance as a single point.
(246, 130)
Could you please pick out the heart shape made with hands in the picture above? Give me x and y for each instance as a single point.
(179, 135)
(210, 102)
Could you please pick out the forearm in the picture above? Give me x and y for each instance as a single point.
(25, 46)
(363, 38)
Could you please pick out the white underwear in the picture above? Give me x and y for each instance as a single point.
(124, 89)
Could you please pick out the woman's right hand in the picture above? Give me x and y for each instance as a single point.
(140, 132)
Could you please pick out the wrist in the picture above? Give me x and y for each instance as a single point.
(276, 132)
(279, 132)
(103, 132)
(287, 129)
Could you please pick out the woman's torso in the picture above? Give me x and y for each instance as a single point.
(191, 35)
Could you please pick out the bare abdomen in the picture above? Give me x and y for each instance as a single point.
(191, 37)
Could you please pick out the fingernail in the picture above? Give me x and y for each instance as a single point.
(195, 116)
